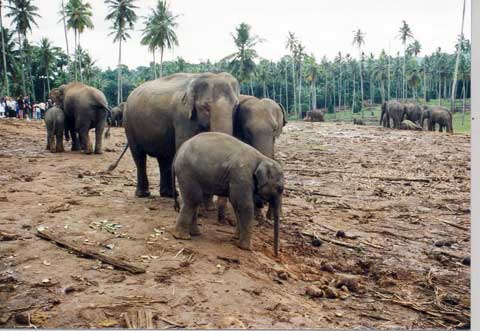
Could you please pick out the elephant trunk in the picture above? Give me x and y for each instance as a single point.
(277, 205)
(221, 117)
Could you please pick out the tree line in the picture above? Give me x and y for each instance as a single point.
(297, 80)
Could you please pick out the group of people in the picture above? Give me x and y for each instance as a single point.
(23, 108)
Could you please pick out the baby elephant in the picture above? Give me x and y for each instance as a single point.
(214, 163)
(55, 123)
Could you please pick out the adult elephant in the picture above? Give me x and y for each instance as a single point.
(85, 108)
(162, 114)
(315, 115)
(257, 122)
(394, 110)
(438, 115)
(413, 112)
(117, 115)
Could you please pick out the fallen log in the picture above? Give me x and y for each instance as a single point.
(332, 241)
(90, 254)
(399, 179)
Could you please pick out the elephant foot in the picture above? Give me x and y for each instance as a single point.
(98, 151)
(142, 193)
(166, 194)
(181, 234)
(75, 148)
(209, 205)
(270, 213)
(195, 231)
(245, 245)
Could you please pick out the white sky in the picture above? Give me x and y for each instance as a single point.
(324, 26)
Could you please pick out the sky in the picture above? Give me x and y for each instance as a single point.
(325, 27)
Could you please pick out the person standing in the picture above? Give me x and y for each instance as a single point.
(20, 108)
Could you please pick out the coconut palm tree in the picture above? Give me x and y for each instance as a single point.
(79, 17)
(47, 57)
(63, 19)
(312, 72)
(6, 82)
(159, 31)
(23, 14)
(405, 33)
(12, 56)
(359, 40)
(291, 45)
(242, 62)
(123, 16)
(457, 61)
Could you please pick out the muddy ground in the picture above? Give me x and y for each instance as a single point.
(375, 231)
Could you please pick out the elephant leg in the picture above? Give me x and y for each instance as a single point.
(99, 129)
(165, 167)
(222, 205)
(243, 205)
(140, 159)
(59, 142)
(51, 142)
(208, 202)
(75, 140)
(85, 142)
(186, 225)
(48, 141)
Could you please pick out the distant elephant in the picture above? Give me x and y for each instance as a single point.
(438, 115)
(413, 112)
(85, 108)
(315, 115)
(214, 163)
(55, 124)
(394, 110)
(409, 125)
(257, 122)
(161, 115)
(117, 115)
(358, 121)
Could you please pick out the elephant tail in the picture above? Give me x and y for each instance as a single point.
(176, 205)
(115, 164)
(109, 115)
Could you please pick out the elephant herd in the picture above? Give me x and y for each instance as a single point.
(412, 116)
(201, 131)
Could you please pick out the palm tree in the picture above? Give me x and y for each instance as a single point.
(359, 40)
(23, 14)
(79, 17)
(63, 19)
(122, 14)
(291, 45)
(312, 73)
(457, 61)
(11, 55)
(405, 33)
(159, 31)
(242, 62)
(7, 85)
(47, 57)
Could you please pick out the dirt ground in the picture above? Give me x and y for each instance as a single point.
(375, 232)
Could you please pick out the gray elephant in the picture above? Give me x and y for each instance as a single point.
(55, 124)
(214, 163)
(85, 108)
(413, 112)
(394, 110)
(438, 115)
(257, 122)
(409, 125)
(162, 114)
(358, 121)
(315, 115)
(117, 115)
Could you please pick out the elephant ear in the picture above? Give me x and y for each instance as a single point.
(189, 100)
(281, 119)
(284, 114)
(262, 174)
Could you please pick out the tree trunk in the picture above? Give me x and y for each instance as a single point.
(5, 74)
(286, 87)
(161, 62)
(353, 98)
(66, 39)
(361, 82)
(388, 78)
(403, 73)
(294, 88)
(80, 59)
(463, 105)
(75, 60)
(22, 57)
(119, 73)
(299, 114)
(154, 65)
(457, 61)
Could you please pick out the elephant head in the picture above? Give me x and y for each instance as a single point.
(269, 185)
(57, 95)
(425, 115)
(211, 100)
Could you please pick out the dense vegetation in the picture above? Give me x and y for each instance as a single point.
(298, 80)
